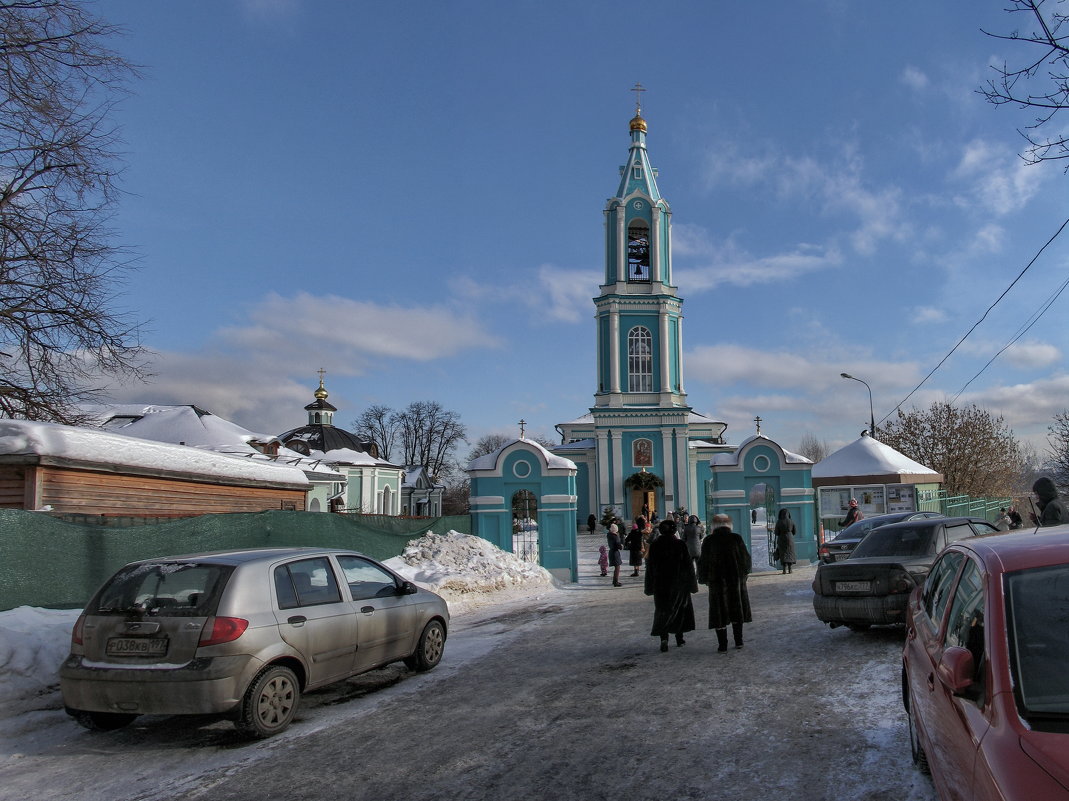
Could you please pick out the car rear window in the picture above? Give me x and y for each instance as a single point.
(895, 540)
(1037, 607)
(169, 589)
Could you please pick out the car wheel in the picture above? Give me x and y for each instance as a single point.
(429, 651)
(102, 721)
(270, 703)
(920, 759)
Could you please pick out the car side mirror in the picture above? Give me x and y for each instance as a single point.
(408, 588)
(956, 669)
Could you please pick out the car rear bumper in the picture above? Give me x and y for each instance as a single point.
(204, 686)
(844, 610)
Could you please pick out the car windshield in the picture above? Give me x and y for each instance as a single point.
(1037, 608)
(896, 540)
(170, 589)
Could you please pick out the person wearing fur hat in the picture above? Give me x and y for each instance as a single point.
(670, 580)
(1052, 511)
(724, 566)
(616, 558)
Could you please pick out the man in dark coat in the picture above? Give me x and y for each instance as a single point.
(670, 580)
(1052, 511)
(724, 566)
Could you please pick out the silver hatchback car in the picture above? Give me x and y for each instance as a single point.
(244, 633)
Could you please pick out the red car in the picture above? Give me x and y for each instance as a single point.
(985, 669)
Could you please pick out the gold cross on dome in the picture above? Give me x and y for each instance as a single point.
(638, 89)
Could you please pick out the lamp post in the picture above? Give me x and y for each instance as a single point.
(872, 417)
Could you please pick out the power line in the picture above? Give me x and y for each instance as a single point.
(982, 318)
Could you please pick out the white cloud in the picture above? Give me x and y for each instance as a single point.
(996, 177)
(927, 314)
(914, 78)
(556, 294)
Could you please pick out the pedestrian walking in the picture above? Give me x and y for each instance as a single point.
(603, 559)
(615, 557)
(1002, 522)
(753, 517)
(1016, 521)
(693, 532)
(591, 523)
(724, 566)
(635, 544)
(785, 533)
(670, 580)
(1052, 511)
(853, 514)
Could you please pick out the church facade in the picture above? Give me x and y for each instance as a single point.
(640, 444)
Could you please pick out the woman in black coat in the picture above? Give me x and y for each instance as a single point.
(724, 565)
(785, 532)
(670, 580)
(616, 545)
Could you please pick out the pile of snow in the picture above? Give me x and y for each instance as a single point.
(469, 572)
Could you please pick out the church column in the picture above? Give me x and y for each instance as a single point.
(603, 471)
(655, 245)
(679, 355)
(668, 250)
(614, 348)
(665, 351)
(669, 467)
(621, 245)
(682, 454)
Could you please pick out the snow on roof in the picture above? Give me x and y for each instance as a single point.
(866, 456)
(90, 446)
(578, 445)
(489, 461)
(732, 457)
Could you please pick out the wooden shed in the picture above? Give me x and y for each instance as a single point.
(75, 470)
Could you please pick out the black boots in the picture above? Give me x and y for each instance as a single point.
(736, 632)
(664, 643)
(680, 641)
(722, 640)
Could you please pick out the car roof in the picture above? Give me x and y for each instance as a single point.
(245, 555)
(931, 522)
(1022, 549)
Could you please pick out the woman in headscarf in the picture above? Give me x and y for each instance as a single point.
(785, 533)
(670, 580)
(616, 559)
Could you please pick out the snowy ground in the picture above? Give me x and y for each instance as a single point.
(805, 711)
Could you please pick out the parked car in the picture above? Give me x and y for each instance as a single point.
(984, 679)
(242, 633)
(842, 545)
(873, 585)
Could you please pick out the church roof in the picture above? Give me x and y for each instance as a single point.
(489, 461)
(327, 438)
(866, 456)
(732, 458)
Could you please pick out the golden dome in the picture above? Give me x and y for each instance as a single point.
(321, 393)
(638, 124)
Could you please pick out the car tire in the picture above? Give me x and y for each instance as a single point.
(270, 703)
(920, 759)
(431, 646)
(102, 721)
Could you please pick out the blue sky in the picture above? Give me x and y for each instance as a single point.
(409, 195)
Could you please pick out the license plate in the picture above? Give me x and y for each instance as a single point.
(137, 646)
(852, 586)
(839, 557)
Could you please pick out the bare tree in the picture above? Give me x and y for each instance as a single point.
(59, 267)
(973, 449)
(812, 448)
(1058, 442)
(380, 425)
(429, 435)
(1047, 61)
(487, 444)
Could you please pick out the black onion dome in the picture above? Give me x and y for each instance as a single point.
(319, 437)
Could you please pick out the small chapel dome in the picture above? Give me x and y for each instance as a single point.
(638, 124)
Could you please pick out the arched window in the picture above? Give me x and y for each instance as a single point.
(638, 251)
(639, 360)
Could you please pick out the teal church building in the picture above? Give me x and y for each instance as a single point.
(640, 444)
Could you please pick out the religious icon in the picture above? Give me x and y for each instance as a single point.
(643, 453)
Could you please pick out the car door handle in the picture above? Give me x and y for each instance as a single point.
(931, 681)
(297, 620)
(367, 610)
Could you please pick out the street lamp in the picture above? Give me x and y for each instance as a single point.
(872, 417)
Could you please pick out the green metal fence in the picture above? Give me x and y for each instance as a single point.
(964, 505)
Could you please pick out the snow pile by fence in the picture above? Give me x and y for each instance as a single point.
(468, 571)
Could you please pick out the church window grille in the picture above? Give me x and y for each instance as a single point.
(639, 360)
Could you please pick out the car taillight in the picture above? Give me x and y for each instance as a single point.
(76, 632)
(221, 629)
(899, 581)
(823, 550)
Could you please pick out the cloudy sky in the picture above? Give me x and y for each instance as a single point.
(409, 195)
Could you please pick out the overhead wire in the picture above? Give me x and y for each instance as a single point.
(984, 317)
